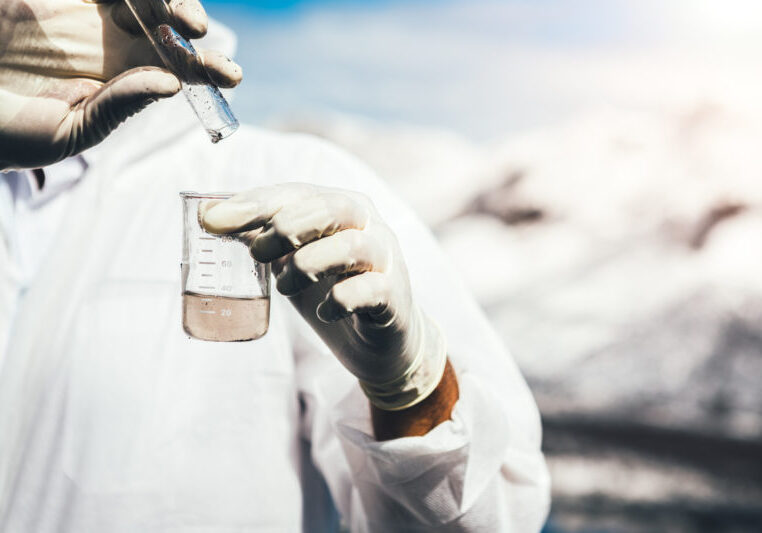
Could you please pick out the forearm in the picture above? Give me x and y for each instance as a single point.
(475, 470)
(421, 418)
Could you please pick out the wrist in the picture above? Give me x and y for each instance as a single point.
(420, 378)
(421, 418)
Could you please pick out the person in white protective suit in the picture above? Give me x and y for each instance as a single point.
(379, 400)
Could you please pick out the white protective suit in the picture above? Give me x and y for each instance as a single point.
(113, 420)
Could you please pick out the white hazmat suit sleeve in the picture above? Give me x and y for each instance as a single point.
(480, 471)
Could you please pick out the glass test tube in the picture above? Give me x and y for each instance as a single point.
(181, 58)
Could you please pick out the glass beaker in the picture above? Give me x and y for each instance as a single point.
(226, 293)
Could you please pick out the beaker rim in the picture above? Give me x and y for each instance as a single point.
(207, 195)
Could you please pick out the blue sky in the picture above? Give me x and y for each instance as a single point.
(291, 6)
(481, 67)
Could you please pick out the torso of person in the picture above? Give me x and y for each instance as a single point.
(118, 420)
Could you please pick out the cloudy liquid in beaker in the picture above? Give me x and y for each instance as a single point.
(218, 318)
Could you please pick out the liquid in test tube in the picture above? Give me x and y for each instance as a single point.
(181, 58)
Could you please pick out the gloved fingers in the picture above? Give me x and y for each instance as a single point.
(305, 221)
(100, 113)
(250, 209)
(186, 16)
(247, 237)
(192, 68)
(346, 252)
(370, 293)
(279, 265)
(223, 71)
(190, 18)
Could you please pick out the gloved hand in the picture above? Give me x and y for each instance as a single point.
(72, 70)
(343, 270)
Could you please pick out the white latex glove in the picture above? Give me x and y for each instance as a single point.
(343, 270)
(71, 71)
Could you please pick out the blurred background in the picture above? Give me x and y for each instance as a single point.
(604, 157)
